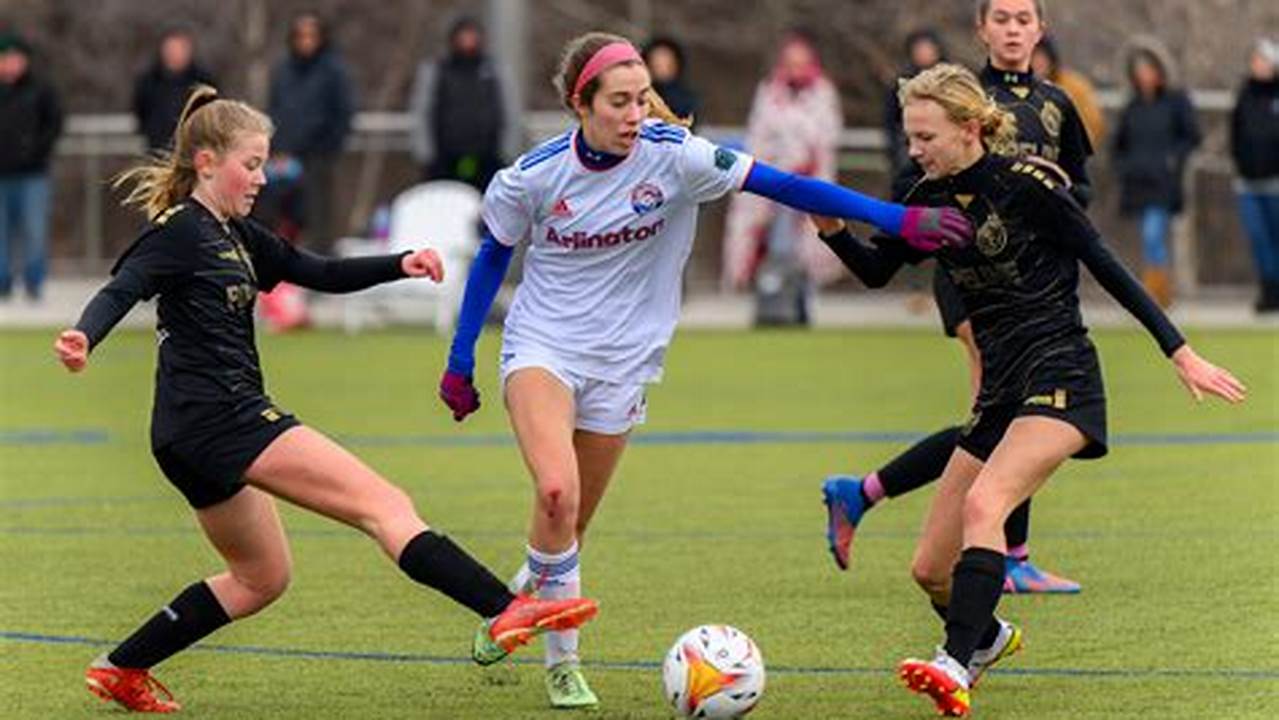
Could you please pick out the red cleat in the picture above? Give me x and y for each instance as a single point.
(524, 619)
(943, 680)
(133, 689)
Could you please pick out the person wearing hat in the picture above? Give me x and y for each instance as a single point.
(30, 122)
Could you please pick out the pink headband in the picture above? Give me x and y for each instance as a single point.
(603, 59)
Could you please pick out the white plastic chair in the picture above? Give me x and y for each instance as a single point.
(442, 214)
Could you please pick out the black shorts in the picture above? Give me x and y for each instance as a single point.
(1075, 396)
(207, 465)
(949, 305)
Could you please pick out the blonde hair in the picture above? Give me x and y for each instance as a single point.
(959, 93)
(206, 122)
(577, 52)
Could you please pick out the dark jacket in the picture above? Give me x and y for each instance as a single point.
(1254, 130)
(311, 104)
(158, 99)
(1150, 148)
(30, 123)
(679, 97)
(460, 119)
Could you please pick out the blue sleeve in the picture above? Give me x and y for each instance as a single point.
(823, 198)
(487, 273)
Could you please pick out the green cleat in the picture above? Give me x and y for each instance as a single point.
(567, 687)
(483, 650)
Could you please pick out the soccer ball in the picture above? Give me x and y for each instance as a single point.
(713, 671)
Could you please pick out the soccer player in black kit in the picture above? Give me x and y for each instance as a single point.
(1048, 126)
(1041, 398)
(219, 438)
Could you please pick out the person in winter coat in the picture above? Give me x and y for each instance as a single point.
(30, 122)
(161, 90)
(664, 57)
(1254, 145)
(1156, 133)
(460, 121)
(794, 124)
(311, 104)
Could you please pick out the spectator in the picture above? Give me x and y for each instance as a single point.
(1157, 131)
(162, 89)
(924, 49)
(311, 105)
(30, 122)
(459, 115)
(664, 57)
(794, 125)
(1046, 63)
(1254, 144)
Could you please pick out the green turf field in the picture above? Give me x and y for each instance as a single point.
(1175, 537)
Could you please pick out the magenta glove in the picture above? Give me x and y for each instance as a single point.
(931, 228)
(459, 393)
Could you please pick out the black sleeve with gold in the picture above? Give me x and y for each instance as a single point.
(1048, 125)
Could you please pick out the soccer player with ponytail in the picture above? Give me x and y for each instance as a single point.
(220, 439)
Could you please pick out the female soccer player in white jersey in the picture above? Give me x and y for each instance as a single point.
(609, 209)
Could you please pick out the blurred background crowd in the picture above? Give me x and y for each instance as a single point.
(1179, 97)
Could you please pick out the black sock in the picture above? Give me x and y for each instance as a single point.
(1017, 526)
(434, 561)
(192, 615)
(987, 639)
(975, 591)
(921, 464)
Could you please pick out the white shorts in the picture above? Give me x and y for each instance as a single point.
(601, 406)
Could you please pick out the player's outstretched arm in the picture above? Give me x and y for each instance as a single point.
(457, 387)
(104, 310)
(923, 228)
(873, 265)
(345, 275)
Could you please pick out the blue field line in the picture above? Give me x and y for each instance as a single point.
(25, 437)
(39, 436)
(80, 501)
(643, 665)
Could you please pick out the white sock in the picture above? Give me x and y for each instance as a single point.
(558, 577)
(523, 582)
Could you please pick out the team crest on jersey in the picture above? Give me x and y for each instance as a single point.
(724, 159)
(992, 236)
(646, 197)
(1050, 116)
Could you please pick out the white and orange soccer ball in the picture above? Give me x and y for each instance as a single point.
(713, 671)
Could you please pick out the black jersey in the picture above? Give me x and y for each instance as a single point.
(1048, 125)
(1019, 278)
(207, 275)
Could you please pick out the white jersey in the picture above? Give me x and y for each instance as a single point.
(607, 248)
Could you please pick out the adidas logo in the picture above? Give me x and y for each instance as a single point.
(561, 209)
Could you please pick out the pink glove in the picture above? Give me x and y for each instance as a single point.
(459, 393)
(930, 228)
